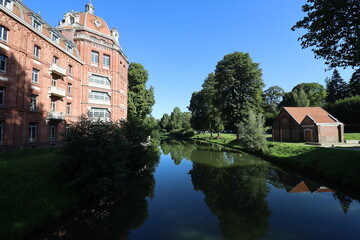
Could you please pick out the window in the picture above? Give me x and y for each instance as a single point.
(2, 96)
(68, 108)
(94, 57)
(70, 70)
(3, 60)
(53, 82)
(36, 51)
(69, 48)
(100, 80)
(106, 60)
(72, 20)
(55, 59)
(32, 132)
(34, 102)
(52, 131)
(35, 76)
(1, 131)
(6, 3)
(97, 23)
(99, 95)
(53, 106)
(3, 33)
(36, 23)
(55, 37)
(99, 113)
(69, 88)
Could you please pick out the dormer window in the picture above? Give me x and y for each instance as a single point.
(72, 20)
(69, 48)
(37, 22)
(97, 23)
(55, 37)
(7, 3)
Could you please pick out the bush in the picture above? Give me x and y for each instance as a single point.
(252, 132)
(95, 157)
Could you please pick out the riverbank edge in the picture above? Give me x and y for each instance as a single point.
(336, 166)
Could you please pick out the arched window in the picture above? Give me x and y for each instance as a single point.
(3, 33)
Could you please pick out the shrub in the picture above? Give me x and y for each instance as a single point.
(95, 157)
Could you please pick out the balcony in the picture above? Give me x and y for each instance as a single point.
(57, 70)
(58, 92)
(56, 116)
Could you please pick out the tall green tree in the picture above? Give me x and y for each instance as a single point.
(354, 85)
(238, 84)
(140, 99)
(204, 113)
(295, 98)
(273, 96)
(165, 122)
(332, 31)
(336, 88)
(315, 93)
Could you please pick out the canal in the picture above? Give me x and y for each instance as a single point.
(202, 192)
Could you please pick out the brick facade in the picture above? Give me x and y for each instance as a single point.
(49, 76)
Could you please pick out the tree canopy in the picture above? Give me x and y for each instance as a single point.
(336, 88)
(238, 84)
(332, 31)
(354, 85)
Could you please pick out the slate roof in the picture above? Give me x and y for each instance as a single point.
(318, 114)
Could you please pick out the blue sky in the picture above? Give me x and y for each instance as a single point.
(180, 42)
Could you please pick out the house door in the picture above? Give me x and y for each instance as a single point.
(308, 136)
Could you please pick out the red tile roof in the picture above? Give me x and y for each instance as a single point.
(317, 113)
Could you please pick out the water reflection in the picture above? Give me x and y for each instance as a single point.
(112, 218)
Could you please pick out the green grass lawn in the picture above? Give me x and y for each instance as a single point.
(31, 192)
(352, 136)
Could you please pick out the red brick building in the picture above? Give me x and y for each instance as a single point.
(49, 76)
(307, 124)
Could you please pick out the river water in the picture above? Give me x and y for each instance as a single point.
(201, 192)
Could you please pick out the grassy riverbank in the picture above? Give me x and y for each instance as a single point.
(336, 165)
(31, 192)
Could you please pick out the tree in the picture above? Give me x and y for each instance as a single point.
(295, 98)
(315, 92)
(252, 132)
(336, 88)
(165, 122)
(140, 99)
(354, 85)
(332, 31)
(273, 96)
(238, 84)
(204, 113)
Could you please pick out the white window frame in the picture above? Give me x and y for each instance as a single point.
(33, 132)
(55, 59)
(106, 60)
(94, 57)
(55, 37)
(37, 23)
(3, 61)
(37, 51)
(4, 33)
(7, 3)
(99, 113)
(52, 132)
(69, 89)
(2, 96)
(68, 108)
(34, 99)
(35, 76)
(100, 80)
(52, 106)
(69, 48)
(104, 96)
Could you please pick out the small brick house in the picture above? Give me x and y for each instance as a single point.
(307, 124)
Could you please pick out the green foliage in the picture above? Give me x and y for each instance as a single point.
(347, 111)
(252, 132)
(204, 114)
(96, 158)
(140, 99)
(273, 96)
(295, 98)
(31, 192)
(315, 93)
(336, 88)
(332, 31)
(177, 121)
(238, 84)
(354, 85)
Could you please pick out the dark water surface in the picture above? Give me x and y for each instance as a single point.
(199, 192)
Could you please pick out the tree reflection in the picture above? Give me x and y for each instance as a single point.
(236, 195)
(178, 150)
(113, 218)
